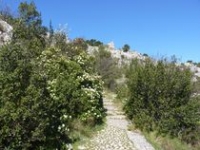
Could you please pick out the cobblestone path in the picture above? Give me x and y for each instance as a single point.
(115, 135)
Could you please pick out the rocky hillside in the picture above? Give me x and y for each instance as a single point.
(120, 55)
(6, 31)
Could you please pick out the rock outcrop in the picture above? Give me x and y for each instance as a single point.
(6, 31)
(121, 56)
(194, 69)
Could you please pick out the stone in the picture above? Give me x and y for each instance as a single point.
(111, 45)
(5, 33)
(81, 147)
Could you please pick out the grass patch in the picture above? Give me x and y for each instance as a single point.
(166, 142)
(160, 142)
(84, 133)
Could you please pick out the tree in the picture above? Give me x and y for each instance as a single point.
(28, 26)
(189, 61)
(145, 55)
(107, 67)
(126, 48)
(51, 34)
(94, 42)
(198, 64)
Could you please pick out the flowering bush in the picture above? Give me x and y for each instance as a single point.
(37, 112)
(76, 92)
(91, 89)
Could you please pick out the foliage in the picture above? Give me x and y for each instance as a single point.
(94, 42)
(76, 47)
(38, 105)
(146, 55)
(198, 64)
(28, 27)
(159, 100)
(107, 67)
(189, 61)
(126, 48)
(69, 82)
(166, 142)
(122, 91)
(44, 89)
(80, 43)
(196, 86)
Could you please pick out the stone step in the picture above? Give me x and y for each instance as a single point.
(111, 108)
(120, 113)
(118, 117)
(111, 112)
(108, 104)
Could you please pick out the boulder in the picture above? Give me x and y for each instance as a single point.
(6, 31)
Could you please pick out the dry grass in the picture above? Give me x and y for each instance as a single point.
(84, 133)
(167, 143)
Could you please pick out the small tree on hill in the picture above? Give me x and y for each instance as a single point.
(126, 48)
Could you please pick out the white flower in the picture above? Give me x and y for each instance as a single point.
(59, 128)
(65, 116)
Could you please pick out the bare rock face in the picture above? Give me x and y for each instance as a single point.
(5, 32)
(121, 56)
(124, 57)
(111, 45)
(194, 69)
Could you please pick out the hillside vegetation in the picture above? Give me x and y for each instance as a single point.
(160, 99)
(48, 87)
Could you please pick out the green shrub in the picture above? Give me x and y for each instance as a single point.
(122, 91)
(126, 48)
(40, 100)
(94, 42)
(160, 98)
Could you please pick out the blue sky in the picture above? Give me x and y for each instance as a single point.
(154, 27)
